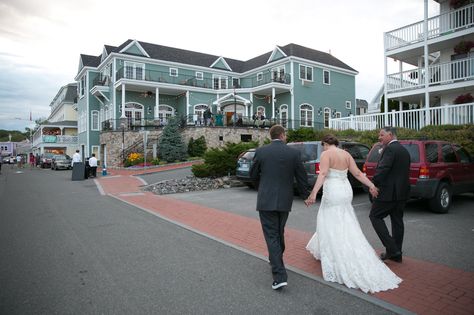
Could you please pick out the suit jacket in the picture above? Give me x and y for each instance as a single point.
(276, 166)
(392, 175)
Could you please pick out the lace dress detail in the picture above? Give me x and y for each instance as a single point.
(345, 254)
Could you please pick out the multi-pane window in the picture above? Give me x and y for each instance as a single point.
(134, 71)
(306, 73)
(278, 74)
(260, 76)
(348, 105)
(95, 120)
(199, 75)
(173, 72)
(235, 82)
(327, 115)
(326, 77)
(306, 114)
(82, 85)
(219, 82)
(284, 115)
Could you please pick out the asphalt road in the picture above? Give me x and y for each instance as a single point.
(440, 238)
(65, 249)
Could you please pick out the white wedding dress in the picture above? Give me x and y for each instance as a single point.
(345, 254)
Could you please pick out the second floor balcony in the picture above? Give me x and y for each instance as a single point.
(438, 26)
(215, 83)
(438, 74)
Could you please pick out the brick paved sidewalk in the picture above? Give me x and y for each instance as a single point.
(427, 288)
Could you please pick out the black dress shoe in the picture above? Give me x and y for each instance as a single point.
(395, 257)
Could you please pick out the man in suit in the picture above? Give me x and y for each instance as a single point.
(276, 166)
(393, 182)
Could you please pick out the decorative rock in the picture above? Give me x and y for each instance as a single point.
(192, 183)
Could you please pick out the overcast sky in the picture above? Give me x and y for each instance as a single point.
(40, 41)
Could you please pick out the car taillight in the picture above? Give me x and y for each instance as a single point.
(424, 172)
(364, 169)
(316, 168)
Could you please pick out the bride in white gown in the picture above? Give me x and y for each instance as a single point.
(345, 254)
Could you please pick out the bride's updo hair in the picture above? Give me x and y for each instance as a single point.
(331, 140)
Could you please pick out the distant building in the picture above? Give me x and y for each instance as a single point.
(139, 84)
(58, 135)
(361, 107)
(8, 148)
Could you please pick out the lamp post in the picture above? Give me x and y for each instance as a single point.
(235, 109)
(123, 142)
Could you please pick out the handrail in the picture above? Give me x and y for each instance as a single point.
(439, 25)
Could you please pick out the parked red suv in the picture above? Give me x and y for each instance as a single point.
(438, 170)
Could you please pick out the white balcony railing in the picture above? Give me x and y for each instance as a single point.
(411, 119)
(439, 25)
(442, 73)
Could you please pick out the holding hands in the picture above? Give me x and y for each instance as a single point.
(310, 200)
(374, 191)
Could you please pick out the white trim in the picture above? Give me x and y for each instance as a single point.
(311, 109)
(104, 55)
(350, 105)
(92, 120)
(275, 50)
(259, 76)
(223, 60)
(223, 98)
(136, 43)
(201, 77)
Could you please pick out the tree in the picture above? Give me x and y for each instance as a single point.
(392, 105)
(171, 145)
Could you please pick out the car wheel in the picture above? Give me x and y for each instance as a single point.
(441, 202)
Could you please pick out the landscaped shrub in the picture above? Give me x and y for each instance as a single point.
(221, 162)
(197, 147)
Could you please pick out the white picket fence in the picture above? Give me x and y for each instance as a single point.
(411, 119)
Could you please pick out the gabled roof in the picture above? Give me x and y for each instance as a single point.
(90, 61)
(189, 57)
(314, 55)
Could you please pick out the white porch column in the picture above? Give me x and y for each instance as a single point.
(400, 117)
(251, 104)
(187, 104)
(273, 103)
(123, 102)
(157, 102)
(427, 94)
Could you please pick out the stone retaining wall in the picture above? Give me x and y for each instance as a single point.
(216, 137)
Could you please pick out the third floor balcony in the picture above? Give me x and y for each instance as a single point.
(444, 25)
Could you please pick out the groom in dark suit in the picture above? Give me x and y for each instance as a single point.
(276, 166)
(393, 182)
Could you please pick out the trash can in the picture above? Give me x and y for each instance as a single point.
(78, 169)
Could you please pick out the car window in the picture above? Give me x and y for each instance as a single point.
(448, 154)
(375, 154)
(353, 151)
(463, 155)
(363, 151)
(431, 152)
(309, 151)
(414, 151)
(248, 155)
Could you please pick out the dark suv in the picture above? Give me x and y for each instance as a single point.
(438, 170)
(310, 155)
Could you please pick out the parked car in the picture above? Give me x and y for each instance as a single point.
(45, 160)
(310, 155)
(61, 161)
(8, 160)
(242, 171)
(438, 170)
